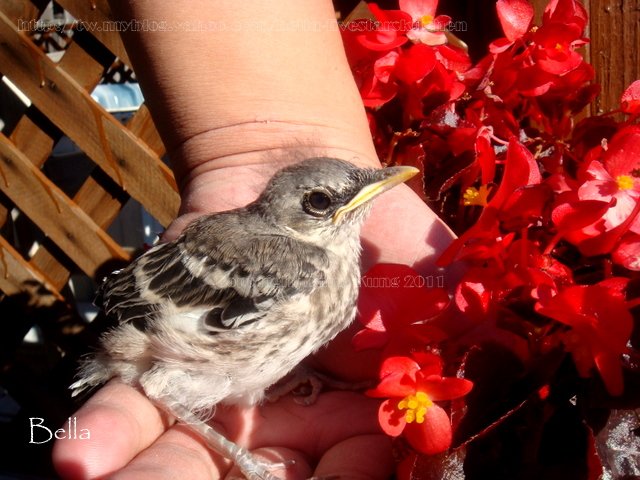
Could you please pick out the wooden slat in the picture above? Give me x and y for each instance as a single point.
(103, 207)
(54, 213)
(15, 271)
(20, 11)
(131, 163)
(96, 18)
(29, 138)
(45, 261)
(141, 125)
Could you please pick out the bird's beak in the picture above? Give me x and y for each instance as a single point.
(382, 180)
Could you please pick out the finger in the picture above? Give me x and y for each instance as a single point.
(121, 422)
(177, 453)
(297, 467)
(310, 429)
(174, 230)
(366, 457)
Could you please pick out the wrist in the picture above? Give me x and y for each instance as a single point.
(217, 172)
(265, 147)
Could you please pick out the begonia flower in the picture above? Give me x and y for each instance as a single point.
(390, 30)
(616, 178)
(555, 48)
(600, 327)
(412, 389)
(428, 28)
(393, 304)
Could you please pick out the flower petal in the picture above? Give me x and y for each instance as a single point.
(433, 435)
(399, 365)
(398, 378)
(573, 215)
(395, 385)
(419, 8)
(515, 17)
(415, 63)
(443, 388)
(367, 338)
(630, 101)
(627, 253)
(394, 295)
(610, 370)
(390, 418)
(520, 169)
(623, 153)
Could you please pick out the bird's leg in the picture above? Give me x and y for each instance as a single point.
(250, 466)
(312, 383)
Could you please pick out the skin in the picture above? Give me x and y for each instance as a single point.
(233, 105)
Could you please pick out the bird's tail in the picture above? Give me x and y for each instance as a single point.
(92, 373)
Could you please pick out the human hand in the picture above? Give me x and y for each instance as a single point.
(339, 434)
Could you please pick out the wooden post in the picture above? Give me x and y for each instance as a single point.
(615, 48)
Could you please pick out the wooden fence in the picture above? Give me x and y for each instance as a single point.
(127, 157)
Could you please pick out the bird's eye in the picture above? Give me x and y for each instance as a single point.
(317, 202)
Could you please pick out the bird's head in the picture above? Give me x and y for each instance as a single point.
(324, 198)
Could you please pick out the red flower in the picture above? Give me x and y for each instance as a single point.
(615, 178)
(412, 388)
(393, 304)
(555, 48)
(600, 327)
(390, 30)
(627, 253)
(568, 12)
(520, 171)
(508, 270)
(622, 191)
(515, 17)
(438, 88)
(372, 55)
(376, 86)
(571, 215)
(427, 27)
(630, 101)
(415, 63)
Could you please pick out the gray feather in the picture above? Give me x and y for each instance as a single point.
(216, 263)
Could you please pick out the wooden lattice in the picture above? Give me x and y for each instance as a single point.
(127, 157)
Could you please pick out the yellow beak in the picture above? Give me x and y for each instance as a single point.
(389, 178)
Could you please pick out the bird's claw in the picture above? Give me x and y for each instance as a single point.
(305, 384)
(257, 469)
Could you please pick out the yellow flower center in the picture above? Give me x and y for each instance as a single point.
(475, 196)
(426, 20)
(625, 182)
(416, 407)
(559, 46)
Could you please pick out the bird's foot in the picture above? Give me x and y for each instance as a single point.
(306, 383)
(303, 383)
(258, 469)
(250, 466)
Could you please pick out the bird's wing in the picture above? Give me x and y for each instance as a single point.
(232, 274)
